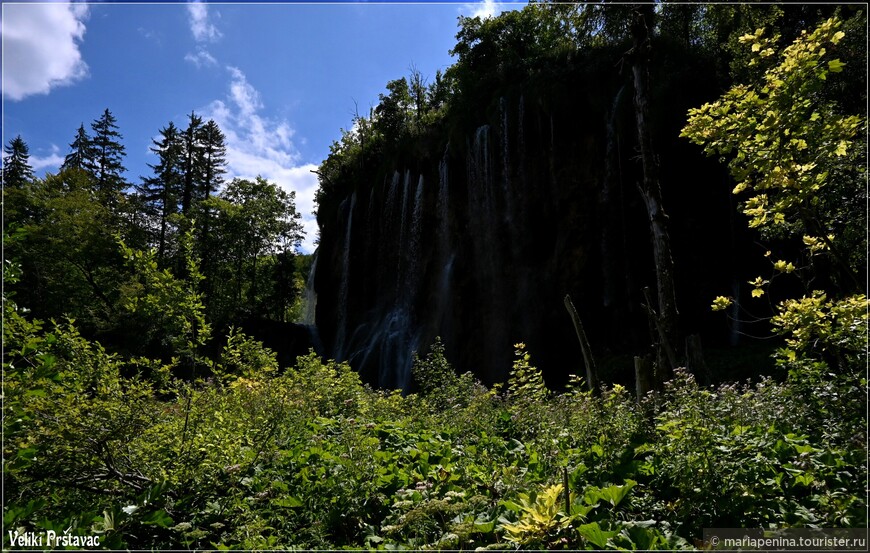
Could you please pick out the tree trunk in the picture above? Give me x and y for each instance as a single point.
(588, 360)
(642, 377)
(695, 360)
(651, 188)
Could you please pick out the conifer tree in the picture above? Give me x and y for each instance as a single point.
(81, 154)
(212, 167)
(108, 154)
(213, 160)
(17, 171)
(161, 192)
(191, 154)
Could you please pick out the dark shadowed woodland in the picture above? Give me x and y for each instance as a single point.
(600, 284)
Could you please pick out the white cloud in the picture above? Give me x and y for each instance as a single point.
(203, 31)
(201, 59)
(41, 47)
(257, 145)
(52, 161)
(200, 25)
(487, 8)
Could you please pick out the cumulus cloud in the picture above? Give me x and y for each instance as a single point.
(257, 145)
(51, 161)
(200, 24)
(41, 47)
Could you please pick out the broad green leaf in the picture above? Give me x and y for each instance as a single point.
(593, 533)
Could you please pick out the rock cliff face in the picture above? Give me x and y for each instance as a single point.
(478, 236)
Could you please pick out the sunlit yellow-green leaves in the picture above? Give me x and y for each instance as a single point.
(815, 244)
(758, 286)
(721, 303)
(816, 323)
(783, 266)
(783, 141)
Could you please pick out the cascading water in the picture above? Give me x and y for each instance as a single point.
(389, 336)
(505, 161)
(401, 261)
(479, 241)
(413, 252)
(310, 297)
(411, 295)
(387, 233)
(443, 202)
(340, 346)
(446, 255)
(310, 303)
(610, 188)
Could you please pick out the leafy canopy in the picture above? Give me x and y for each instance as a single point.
(789, 147)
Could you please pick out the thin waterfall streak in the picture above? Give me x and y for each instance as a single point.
(309, 318)
(505, 161)
(343, 296)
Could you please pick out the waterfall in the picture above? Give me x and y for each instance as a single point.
(390, 335)
(611, 187)
(414, 245)
(309, 300)
(310, 297)
(505, 161)
(482, 165)
(446, 257)
(387, 248)
(340, 346)
(371, 248)
(520, 197)
(401, 262)
(443, 202)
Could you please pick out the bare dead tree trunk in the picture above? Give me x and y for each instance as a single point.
(668, 317)
(642, 377)
(588, 360)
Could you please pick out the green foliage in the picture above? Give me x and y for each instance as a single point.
(314, 459)
(125, 445)
(526, 381)
(82, 154)
(67, 248)
(544, 523)
(792, 150)
(160, 194)
(801, 158)
(818, 328)
(244, 357)
(541, 521)
(17, 171)
(737, 457)
(108, 155)
(251, 222)
(167, 309)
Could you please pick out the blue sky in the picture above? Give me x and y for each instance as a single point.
(280, 79)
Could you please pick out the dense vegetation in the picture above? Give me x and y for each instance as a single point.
(65, 229)
(134, 410)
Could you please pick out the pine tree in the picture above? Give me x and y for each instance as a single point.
(213, 160)
(161, 192)
(192, 155)
(17, 172)
(212, 167)
(108, 155)
(81, 154)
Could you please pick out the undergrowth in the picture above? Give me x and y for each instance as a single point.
(312, 458)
